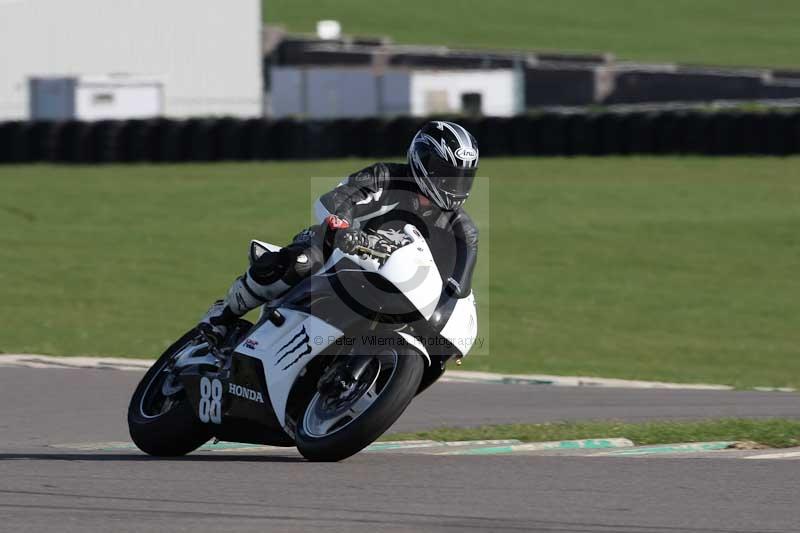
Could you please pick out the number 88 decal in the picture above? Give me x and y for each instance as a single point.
(210, 409)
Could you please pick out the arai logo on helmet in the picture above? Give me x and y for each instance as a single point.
(467, 154)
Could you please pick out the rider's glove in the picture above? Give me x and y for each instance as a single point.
(336, 223)
(349, 240)
(345, 238)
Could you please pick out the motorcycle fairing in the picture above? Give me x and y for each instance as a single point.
(316, 313)
(246, 414)
(461, 327)
(259, 248)
(284, 350)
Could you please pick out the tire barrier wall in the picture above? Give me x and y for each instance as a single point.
(549, 134)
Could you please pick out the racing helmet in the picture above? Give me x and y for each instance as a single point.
(443, 157)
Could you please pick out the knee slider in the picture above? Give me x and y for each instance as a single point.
(271, 266)
(305, 261)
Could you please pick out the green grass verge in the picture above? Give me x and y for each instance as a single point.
(676, 269)
(723, 32)
(776, 433)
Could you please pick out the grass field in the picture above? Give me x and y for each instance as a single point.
(776, 433)
(672, 269)
(723, 32)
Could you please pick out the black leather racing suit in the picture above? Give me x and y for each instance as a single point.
(379, 200)
(383, 197)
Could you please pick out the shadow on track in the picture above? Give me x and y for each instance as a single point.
(110, 457)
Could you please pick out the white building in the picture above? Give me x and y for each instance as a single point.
(322, 92)
(206, 55)
(488, 92)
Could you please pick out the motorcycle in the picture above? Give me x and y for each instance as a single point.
(328, 367)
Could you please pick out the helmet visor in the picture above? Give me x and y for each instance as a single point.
(452, 181)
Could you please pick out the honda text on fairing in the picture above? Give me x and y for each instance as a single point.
(328, 367)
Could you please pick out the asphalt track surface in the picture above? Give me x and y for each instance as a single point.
(44, 487)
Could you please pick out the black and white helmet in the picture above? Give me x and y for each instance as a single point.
(444, 157)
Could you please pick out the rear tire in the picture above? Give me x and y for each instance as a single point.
(174, 432)
(370, 424)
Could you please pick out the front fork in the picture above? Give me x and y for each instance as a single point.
(343, 374)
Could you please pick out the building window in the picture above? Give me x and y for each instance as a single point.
(472, 103)
(102, 98)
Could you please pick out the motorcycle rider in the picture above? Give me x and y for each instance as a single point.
(428, 190)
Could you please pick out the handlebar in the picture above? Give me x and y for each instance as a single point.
(381, 256)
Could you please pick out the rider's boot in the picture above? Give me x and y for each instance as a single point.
(270, 275)
(243, 296)
(267, 278)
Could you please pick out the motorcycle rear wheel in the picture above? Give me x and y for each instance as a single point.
(165, 425)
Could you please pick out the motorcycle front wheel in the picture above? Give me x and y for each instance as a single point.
(338, 423)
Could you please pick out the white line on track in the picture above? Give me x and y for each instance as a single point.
(784, 455)
(571, 381)
(49, 361)
(452, 376)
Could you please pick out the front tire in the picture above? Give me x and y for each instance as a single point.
(335, 438)
(160, 424)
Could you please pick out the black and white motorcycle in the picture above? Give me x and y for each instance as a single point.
(328, 367)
